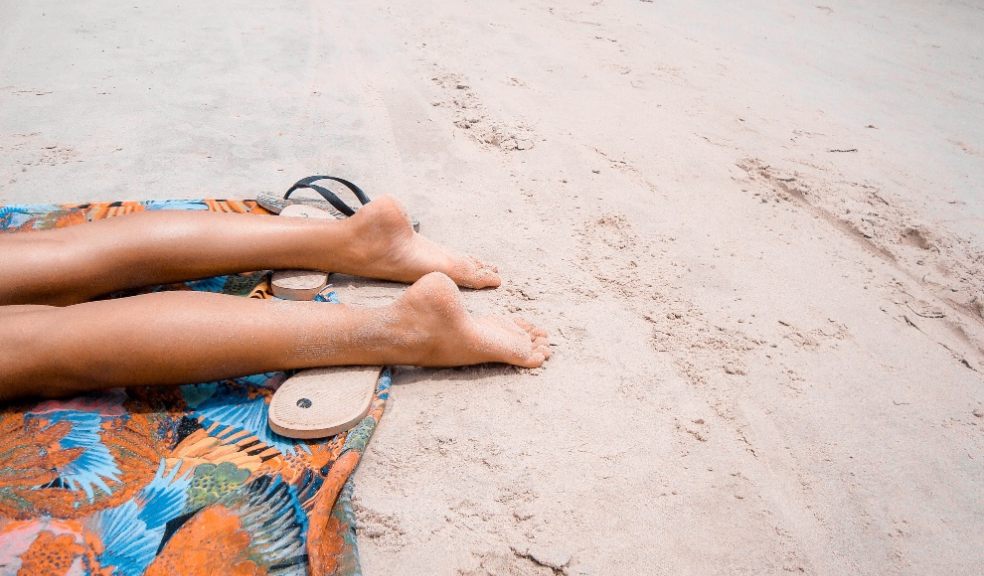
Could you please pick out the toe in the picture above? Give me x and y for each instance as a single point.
(534, 360)
(534, 354)
(506, 324)
(485, 278)
(532, 330)
(491, 279)
(526, 326)
(473, 274)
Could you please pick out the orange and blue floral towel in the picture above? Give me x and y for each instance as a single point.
(172, 480)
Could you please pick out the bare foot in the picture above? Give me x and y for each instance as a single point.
(435, 330)
(386, 247)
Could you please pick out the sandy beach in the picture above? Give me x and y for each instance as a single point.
(755, 233)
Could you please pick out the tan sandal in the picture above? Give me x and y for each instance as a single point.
(323, 402)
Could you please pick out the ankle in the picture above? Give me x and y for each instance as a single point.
(347, 251)
(403, 337)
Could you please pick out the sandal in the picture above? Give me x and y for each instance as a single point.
(306, 284)
(322, 402)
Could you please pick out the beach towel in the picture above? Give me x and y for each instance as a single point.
(171, 480)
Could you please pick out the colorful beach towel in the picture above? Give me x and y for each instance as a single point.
(172, 480)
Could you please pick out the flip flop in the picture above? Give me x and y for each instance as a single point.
(306, 284)
(328, 195)
(322, 402)
(331, 203)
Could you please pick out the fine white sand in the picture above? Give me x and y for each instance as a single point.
(754, 232)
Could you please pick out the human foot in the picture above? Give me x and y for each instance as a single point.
(385, 246)
(432, 328)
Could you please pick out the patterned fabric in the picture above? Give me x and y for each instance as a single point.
(172, 480)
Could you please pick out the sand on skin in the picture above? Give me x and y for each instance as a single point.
(754, 232)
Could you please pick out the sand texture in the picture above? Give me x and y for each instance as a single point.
(755, 232)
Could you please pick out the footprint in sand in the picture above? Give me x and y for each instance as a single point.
(472, 117)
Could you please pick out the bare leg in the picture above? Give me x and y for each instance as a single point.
(182, 337)
(79, 263)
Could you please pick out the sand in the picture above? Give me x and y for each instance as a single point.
(755, 233)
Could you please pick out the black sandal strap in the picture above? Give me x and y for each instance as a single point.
(328, 195)
(362, 196)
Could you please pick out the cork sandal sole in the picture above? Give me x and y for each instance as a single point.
(323, 402)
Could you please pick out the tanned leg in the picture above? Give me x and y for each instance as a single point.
(182, 337)
(78, 263)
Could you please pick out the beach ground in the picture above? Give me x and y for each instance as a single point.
(755, 232)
